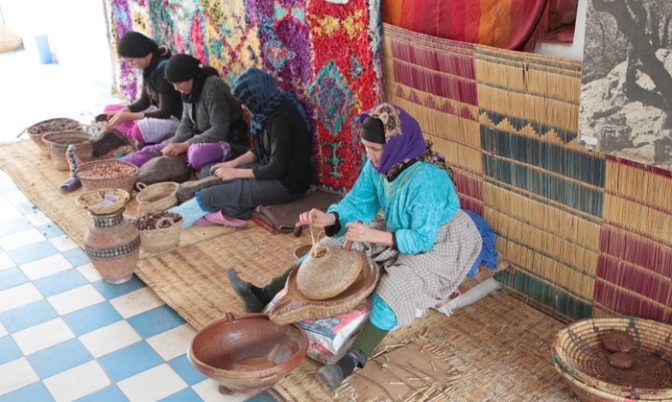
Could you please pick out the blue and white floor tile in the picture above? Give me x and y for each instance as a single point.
(66, 335)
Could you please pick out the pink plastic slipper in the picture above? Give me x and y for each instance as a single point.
(218, 218)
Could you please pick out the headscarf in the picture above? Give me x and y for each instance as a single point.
(258, 90)
(136, 45)
(183, 67)
(403, 140)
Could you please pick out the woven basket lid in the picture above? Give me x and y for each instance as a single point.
(329, 273)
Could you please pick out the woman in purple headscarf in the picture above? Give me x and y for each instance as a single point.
(425, 243)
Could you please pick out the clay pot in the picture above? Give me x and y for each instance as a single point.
(113, 245)
(58, 143)
(247, 353)
(42, 128)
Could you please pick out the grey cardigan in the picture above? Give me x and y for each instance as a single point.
(215, 116)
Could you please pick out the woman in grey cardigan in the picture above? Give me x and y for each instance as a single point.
(212, 127)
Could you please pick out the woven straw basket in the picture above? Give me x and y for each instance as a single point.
(578, 354)
(156, 197)
(126, 181)
(160, 240)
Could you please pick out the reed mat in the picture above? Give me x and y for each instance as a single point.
(495, 350)
(34, 174)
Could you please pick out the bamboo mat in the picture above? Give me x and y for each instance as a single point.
(40, 182)
(497, 349)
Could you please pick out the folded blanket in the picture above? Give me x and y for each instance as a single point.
(282, 217)
(488, 255)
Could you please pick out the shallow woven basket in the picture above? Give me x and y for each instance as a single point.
(103, 201)
(36, 137)
(124, 182)
(156, 197)
(161, 240)
(587, 393)
(578, 352)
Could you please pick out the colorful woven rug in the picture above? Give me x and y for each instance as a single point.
(510, 24)
(634, 271)
(343, 86)
(215, 31)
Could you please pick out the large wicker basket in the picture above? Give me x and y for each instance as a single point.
(156, 197)
(44, 127)
(578, 353)
(107, 174)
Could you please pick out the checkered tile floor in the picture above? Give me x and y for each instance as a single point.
(67, 335)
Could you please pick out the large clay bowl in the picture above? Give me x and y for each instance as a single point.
(57, 125)
(247, 353)
(58, 143)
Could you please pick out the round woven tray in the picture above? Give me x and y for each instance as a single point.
(156, 197)
(103, 201)
(118, 174)
(329, 272)
(578, 352)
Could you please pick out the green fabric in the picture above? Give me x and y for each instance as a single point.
(369, 338)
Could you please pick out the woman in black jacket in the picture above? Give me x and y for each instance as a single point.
(155, 115)
(276, 170)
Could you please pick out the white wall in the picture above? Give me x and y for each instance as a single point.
(574, 50)
(76, 30)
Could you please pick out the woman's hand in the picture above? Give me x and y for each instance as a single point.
(175, 149)
(226, 173)
(227, 164)
(316, 218)
(119, 117)
(359, 232)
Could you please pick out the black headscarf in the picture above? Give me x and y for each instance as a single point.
(183, 67)
(136, 45)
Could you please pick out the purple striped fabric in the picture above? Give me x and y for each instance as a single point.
(637, 250)
(638, 280)
(626, 303)
(436, 83)
(454, 63)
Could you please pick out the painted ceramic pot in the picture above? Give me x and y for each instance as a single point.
(113, 245)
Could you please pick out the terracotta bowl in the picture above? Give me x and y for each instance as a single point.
(247, 353)
(58, 143)
(40, 129)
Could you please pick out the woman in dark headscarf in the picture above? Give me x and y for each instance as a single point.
(155, 115)
(276, 170)
(212, 127)
(426, 245)
(150, 119)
